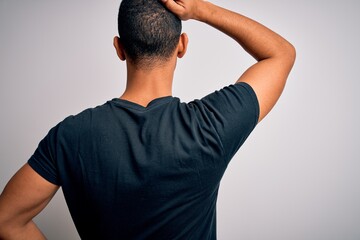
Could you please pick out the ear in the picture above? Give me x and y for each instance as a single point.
(119, 48)
(182, 47)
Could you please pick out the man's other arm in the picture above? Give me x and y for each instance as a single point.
(275, 56)
(26, 194)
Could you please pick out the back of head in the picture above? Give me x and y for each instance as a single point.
(148, 31)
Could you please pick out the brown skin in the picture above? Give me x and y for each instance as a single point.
(274, 54)
(144, 84)
(27, 193)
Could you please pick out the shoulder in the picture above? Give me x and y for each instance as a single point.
(87, 114)
(233, 99)
(73, 124)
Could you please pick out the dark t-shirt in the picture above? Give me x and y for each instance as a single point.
(133, 172)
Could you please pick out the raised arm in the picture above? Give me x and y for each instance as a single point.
(275, 56)
(26, 194)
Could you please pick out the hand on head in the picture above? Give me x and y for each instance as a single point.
(184, 9)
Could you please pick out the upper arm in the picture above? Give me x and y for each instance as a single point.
(268, 77)
(231, 114)
(25, 195)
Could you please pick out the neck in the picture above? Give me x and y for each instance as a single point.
(144, 85)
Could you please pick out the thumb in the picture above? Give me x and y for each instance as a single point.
(173, 7)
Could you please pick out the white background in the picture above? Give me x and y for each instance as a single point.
(297, 176)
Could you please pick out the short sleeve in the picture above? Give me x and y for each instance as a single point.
(43, 159)
(233, 113)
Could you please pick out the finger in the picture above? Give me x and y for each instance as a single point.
(173, 6)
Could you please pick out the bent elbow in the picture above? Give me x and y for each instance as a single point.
(292, 53)
(289, 53)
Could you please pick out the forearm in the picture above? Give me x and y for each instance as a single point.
(25, 195)
(27, 231)
(256, 39)
(274, 54)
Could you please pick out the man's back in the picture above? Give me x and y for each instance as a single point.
(134, 172)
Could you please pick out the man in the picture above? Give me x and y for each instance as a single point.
(145, 165)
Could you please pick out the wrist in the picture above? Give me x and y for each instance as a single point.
(204, 10)
(200, 10)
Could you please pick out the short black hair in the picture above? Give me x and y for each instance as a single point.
(148, 31)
